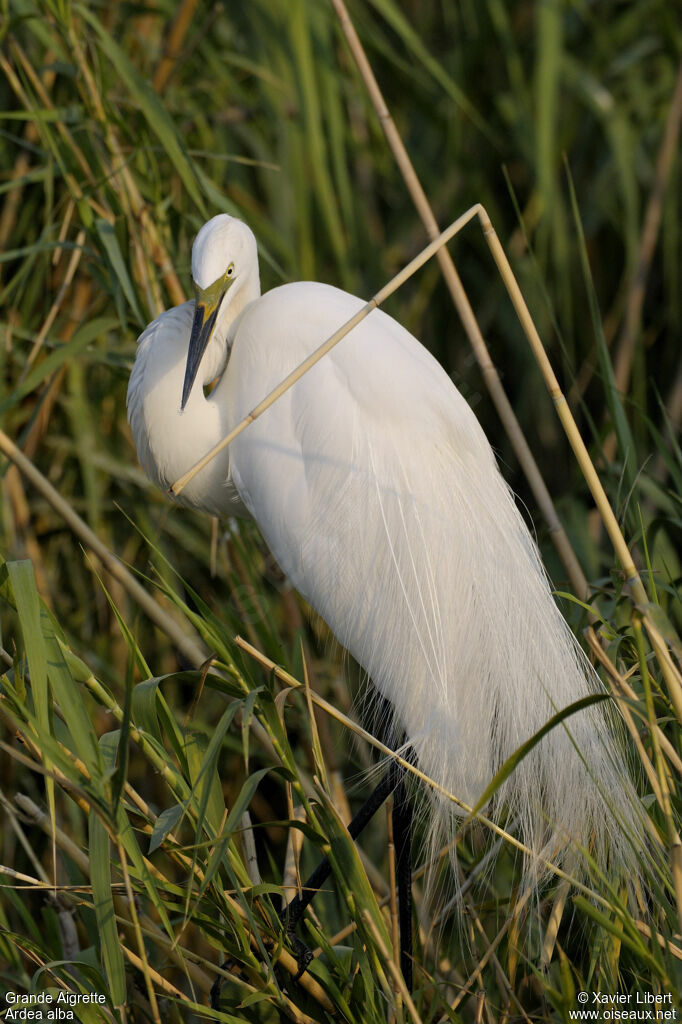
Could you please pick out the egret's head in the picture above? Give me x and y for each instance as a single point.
(224, 254)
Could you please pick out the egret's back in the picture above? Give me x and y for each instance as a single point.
(379, 495)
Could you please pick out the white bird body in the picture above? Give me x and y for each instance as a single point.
(379, 495)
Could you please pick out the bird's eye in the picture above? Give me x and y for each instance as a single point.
(230, 270)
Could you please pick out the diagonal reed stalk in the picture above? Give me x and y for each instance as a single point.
(463, 306)
(190, 647)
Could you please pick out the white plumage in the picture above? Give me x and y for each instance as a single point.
(379, 495)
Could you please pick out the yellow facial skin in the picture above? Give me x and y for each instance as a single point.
(207, 305)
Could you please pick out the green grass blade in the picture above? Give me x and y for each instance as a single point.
(151, 106)
(100, 877)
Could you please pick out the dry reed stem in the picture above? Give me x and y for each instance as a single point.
(22, 532)
(19, 832)
(176, 952)
(393, 900)
(32, 882)
(632, 578)
(149, 972)
(490, 952)
(56, 305)
(284, 958)
(565, 415)
(392, 884)
(64, 230)
(318, 759)
(174, 41)
(129, 194)
(461, 302)
(660, 939)
(291, 876)
(249, 844)
(42, 819)
(294, 683)
(625, 690)
(44, 98)
(395, 972)
(79, 796)
(637, 740)
(189, 647)
(78, 309)
(416, 875)
(504, 981)
(552, 930)
(147, 827)
(151, 994)
(670, 672)
(563, 410)
(12, 203)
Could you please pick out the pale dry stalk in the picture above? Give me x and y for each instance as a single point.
(190, 648)
(130, 193)
(135, 921)
(623, 689)
(490, 952)
(291, 877)
(463, 306)
(394, 971)
(56, 305)
(293, 683)
(176, 35)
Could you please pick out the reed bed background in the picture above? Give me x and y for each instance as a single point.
(148, 804)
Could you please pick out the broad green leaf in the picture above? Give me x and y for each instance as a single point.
(68, 695)
(165, 822)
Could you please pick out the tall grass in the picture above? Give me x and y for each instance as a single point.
(126, 774)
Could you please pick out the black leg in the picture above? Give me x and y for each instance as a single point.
(402, 836)
(393, 782)
(295, 910)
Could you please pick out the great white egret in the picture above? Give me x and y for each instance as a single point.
(379, 495)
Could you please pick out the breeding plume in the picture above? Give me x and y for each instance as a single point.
(379, 495)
